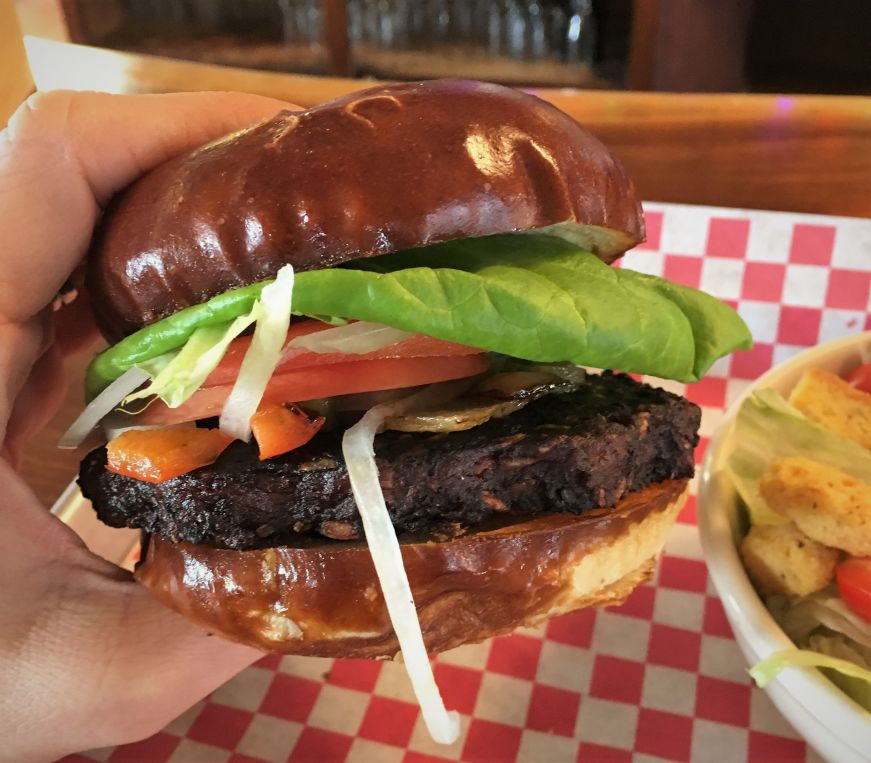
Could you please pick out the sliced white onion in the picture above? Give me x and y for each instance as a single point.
(101, 406)
(358, 448)
(272, 312)
(353, 339)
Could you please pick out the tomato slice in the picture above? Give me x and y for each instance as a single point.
(854, 584)
(417, 346)
(156, 455)
(228, 369)
(279, 429)
(345, 378)
(860, 377)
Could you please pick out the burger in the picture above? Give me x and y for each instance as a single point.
(349, 397)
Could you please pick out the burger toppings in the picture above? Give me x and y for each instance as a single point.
(311, 342)
(345, 377)
(357, 338)
(319, 362)
(272, 315)
(156, 455)
(525, 296)
(561, 303)
(101, 406)
(280, 428)
(358, 450)
(528, 296)
(494, 396)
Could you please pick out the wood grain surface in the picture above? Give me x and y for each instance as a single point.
(792, 153)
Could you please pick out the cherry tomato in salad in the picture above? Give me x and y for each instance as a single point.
(860, 377)
(853, 577)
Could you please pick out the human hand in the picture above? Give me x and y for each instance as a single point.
(87, 657)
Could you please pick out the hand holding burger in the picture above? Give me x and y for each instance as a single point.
(452, 236)
(87, 657)
(523, 465)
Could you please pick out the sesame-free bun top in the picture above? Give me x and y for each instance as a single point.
(389, 168)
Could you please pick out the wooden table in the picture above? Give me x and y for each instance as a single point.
(795, 153)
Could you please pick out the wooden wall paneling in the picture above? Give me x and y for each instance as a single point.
(335, 31)
(688, 45)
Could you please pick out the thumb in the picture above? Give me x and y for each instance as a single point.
(131, 664)
(161, 664)
(85, 651)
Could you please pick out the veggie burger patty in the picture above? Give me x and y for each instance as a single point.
(566, 452)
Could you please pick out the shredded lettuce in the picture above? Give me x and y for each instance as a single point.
(351, 339)
(177, 375)
(358, 450)
(768, 428)
(842, 664)
(272, 314)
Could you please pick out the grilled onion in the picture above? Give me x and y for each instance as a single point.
(494, 396)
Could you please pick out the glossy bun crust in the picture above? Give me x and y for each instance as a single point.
(390, 168)
(326, 601)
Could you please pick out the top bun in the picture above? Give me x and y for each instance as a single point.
(389, 168)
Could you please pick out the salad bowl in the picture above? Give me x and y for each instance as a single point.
(835, 725)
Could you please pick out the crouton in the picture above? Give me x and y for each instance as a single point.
(782, 559)
(825, 503)
(832, 403)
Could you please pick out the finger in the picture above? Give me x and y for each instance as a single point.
(77, 627)
(68, 331)
(171, 662)
(38, 400)
(31, 402)
(132, 665)
(74, 327)
(20, 347)
(64, 154)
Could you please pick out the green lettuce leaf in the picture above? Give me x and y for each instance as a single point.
(533, 297)
(537, 298)
(768, 428)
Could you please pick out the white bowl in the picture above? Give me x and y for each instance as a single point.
(835, 726)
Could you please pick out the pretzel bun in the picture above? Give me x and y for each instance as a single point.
(326, 601)
(386, 169)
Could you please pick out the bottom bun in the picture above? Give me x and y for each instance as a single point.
(325, 600)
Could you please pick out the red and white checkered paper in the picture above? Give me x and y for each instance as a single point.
(659, 678)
